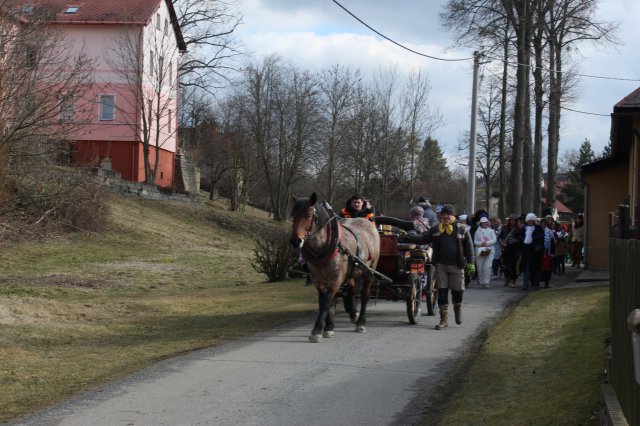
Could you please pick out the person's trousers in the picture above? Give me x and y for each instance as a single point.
(484, 264)
(449, 277)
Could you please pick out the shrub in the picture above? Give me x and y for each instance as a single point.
(273, 255)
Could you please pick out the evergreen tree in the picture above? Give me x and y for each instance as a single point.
(434, 177)
(572, 194)
(607, 151)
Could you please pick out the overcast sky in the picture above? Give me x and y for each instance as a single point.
(317, 33)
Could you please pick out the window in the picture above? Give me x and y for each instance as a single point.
(151, 64)
(161, 73)
(72, 9)
(67, 107)
(107, 107)
(170, 74)
(170, 121)
(166, 27)
(157, 21)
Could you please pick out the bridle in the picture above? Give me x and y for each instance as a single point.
(312, 233)
(330, 249)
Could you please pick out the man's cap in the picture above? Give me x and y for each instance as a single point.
(448, 209)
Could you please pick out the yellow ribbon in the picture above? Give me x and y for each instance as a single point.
(446, 227)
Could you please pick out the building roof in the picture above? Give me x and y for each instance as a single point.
(632, 100)
(132, 12)
(560, 207)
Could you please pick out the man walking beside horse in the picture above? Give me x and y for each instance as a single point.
(452, 253)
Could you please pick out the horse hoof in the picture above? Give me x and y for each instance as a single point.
(354, 320)
(361, 329)
(328, 334)
(315, 338)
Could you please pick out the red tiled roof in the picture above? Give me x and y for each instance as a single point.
(632, 100)
(560, 207)
(133, 12)
(100, 11)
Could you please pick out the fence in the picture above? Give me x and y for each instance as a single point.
(624, 272)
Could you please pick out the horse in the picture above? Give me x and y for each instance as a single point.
(336, 251)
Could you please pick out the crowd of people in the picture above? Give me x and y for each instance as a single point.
(525, 251)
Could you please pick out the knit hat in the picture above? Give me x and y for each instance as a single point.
(484, 219)
(530, 216)
(448, 209)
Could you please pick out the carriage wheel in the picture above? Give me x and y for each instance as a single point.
(431, 291)
(412, 298)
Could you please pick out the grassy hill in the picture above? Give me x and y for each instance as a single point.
(161, 279)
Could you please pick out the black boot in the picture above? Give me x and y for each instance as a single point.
(457, 310)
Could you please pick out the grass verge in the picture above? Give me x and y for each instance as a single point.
(541, 365)
(162, 279)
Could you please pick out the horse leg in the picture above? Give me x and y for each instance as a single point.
(347, 299)
(324, 305)
(361, 325)
(328, 322)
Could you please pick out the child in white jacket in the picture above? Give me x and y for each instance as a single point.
(484, 241)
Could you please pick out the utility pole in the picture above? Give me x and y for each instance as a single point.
(471, 185)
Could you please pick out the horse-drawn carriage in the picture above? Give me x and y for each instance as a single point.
(409, 268)
(342, 252)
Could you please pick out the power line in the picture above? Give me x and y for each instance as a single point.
(585, 112)
(494, 58)
(395, 42)
(517, 64)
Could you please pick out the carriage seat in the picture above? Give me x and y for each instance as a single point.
(407, 246)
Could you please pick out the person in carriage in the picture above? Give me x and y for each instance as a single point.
(428, 212)
(420, 222)
(357, 206)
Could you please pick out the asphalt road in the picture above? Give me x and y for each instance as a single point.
(278, 378)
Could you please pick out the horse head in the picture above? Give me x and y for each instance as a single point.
(305, 219)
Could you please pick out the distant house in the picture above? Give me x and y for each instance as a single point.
(612, 181)
(564, 213)
(135, 47)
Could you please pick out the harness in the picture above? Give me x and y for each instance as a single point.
(330, 250)
(333, 245)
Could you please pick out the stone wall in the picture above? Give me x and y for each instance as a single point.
(111, 181)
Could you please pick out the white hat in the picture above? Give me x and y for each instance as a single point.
(483, 219)
(462, 217)
(530, 216)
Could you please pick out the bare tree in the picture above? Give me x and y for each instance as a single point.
(419, 120)
(570, 22)
(282, 110)
(489, 112)
(390, 149)
(42, 80)
(208, 27)
(338, 85)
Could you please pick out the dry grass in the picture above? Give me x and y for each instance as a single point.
(541, 365)
(162, 279)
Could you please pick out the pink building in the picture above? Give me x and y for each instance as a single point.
(132, 103)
